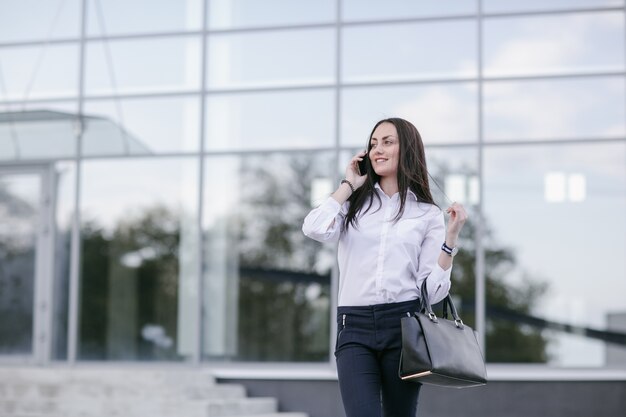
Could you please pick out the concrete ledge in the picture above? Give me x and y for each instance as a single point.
(326, 372)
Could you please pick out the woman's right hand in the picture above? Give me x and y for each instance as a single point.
(352, 170)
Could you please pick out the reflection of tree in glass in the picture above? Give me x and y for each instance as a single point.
(17, 261)
(129, 286)
(507, 340)
(284, 277)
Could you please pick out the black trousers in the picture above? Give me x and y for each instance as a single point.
(368, 354)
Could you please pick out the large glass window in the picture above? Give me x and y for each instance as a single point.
(138, 16)
(42, 71)
(141, 126)
(543, 125)
(424, 50)
(143, 66)
(139, 259)
(555, 214)
(267, 286)
(552, 44)
(293, 120)
(27, 20)
(555, 109)
(402, 9)
(442, 113)
(227, 14)
(271, 58)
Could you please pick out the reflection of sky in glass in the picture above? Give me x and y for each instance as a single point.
(148, 65)
(564, 243)
(24, 20)
(295, 119)
(446, 112)
(554, 44)
(398, 9)
(272, 58)
(39, 72)
(546, 109)
(159, 124)
(223, 14)
(116, 189)
(140, 16)
(494, 6)
(409, 51)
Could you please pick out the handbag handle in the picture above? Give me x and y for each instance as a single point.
(447, 303)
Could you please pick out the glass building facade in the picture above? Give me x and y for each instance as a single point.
(157, 159)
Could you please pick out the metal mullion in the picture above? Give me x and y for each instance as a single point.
(248, 90)
(571, 141)
(51, 182)
(409, 82)
(197, 354)
(557, 12)
(164, 155)
(256, 29)
(540, 77)
(480, 294)
(144, 36)
(40, 275)
(405, 20)
(18, 44)
(75, 253)
(40, 100)
(123, 96)
(334, 273)
(348, 85)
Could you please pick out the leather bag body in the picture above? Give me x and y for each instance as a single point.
(439, 351)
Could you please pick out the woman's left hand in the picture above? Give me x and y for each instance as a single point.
(458, 216)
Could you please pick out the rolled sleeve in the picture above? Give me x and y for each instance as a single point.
(323, 223)
(438, 280)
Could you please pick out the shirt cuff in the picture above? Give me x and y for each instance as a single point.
(438, 283)
(330, 205)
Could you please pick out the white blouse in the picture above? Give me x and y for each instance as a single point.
(382, 261)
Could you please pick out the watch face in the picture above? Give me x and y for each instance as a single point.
(455, 250)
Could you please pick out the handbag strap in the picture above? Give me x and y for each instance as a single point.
(426, 307)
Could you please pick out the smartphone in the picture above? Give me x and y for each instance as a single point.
(363, 165)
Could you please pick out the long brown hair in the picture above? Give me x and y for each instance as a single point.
(412, 173)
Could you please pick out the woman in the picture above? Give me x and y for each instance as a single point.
(391, 238)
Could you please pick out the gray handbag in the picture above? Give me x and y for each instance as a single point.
(439, 351)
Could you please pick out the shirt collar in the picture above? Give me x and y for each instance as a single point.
(408, 192)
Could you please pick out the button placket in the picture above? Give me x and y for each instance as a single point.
(382, 249)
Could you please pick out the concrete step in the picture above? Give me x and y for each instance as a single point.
(115, 389)
(125, 392)
(277, 415)
(129, 407)
(228, 407)
(128, 376)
